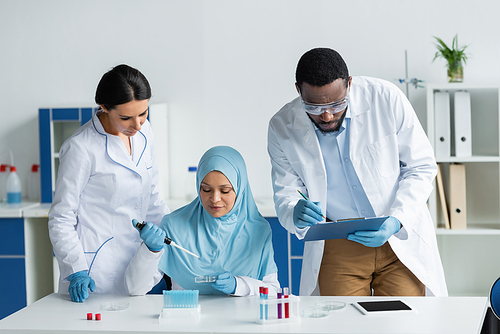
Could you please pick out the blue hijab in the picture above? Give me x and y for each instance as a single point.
(239, 242)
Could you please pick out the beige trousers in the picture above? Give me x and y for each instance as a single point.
(349, 268)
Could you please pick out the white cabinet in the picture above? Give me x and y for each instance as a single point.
(469, 256)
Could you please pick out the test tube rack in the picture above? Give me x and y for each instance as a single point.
(180, 306)
(269, 309)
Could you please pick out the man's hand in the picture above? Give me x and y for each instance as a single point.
(377, 238)
(306, 213)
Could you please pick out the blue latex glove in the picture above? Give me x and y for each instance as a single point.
(226, 283)
(377, 238)
(307, 213)
(79, 285)
(152, 235)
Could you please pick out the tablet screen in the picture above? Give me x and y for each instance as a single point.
(386, 305)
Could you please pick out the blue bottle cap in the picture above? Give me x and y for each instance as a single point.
(192, 169)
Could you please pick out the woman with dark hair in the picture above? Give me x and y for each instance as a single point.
(107, 176)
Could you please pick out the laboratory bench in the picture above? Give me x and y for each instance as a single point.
(25, 257)
(224, 314)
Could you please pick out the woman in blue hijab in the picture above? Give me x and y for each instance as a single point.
(224, 227)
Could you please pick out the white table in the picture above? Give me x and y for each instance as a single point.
(222, 314)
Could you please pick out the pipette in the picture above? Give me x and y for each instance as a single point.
(168, 241)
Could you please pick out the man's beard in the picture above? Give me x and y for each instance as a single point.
(335, 129)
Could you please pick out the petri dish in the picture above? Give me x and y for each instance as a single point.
(331, 305)
(315, 312)
(205, 279)
(114, 306)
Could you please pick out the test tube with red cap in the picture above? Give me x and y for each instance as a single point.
(287, 305)
(261, 294)
(266, 295)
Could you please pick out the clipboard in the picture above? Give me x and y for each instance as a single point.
(341, 228)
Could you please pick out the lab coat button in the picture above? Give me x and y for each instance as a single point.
(346, 160)
(315, 271)
(354, 187)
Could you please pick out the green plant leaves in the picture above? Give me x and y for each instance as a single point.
(454, 55)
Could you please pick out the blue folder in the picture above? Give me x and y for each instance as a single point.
(341, 228)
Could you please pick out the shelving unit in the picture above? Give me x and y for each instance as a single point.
(482, 168)
(469, 255)
(55, 125)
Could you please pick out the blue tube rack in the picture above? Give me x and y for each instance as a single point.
(180, 306)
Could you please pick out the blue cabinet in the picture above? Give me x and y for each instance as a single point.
(54, 126)
(12, 264)
(288, 252)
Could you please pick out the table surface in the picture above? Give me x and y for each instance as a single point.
(16, 210)
(224, 314)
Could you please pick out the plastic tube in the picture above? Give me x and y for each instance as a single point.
(287, 305)
(279, 304)
(266, 294)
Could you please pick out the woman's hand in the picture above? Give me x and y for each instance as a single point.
(226, 283)
(152, 235)
(79, 285)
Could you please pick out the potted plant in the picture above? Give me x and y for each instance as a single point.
(455, 56)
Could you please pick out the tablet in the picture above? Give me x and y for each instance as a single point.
(382, 307)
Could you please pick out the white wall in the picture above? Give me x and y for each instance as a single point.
(224, 67)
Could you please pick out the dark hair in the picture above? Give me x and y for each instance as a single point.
(120, 85)
(321, 66)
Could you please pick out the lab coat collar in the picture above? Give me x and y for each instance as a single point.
(117, 152)
(301, 120)
(358, 101)
(302, 123)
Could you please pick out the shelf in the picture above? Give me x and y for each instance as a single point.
(474, 249)
(477, 229)
(460, 86)
(474, 158)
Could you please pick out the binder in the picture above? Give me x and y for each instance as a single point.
(462, 116)
(442, 121)
(442, 197)
(341, 228)
(458, 205)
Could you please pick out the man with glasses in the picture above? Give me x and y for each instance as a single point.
(355, 148)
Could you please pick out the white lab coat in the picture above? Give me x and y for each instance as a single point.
(100, 188)
(393, 160)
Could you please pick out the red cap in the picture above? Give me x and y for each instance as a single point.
(12, 168)
(98, 316)
(3, 168)
(89, 316)
(261, 289)
(34, 168)
(266, 291)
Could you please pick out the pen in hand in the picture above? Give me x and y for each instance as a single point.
(307, 199)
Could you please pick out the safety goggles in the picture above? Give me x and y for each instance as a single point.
(332, 108)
